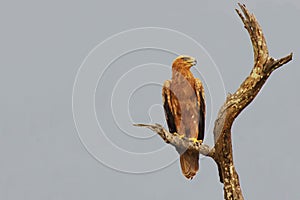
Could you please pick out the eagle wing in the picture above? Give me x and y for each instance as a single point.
(201, 106)
(166, 96)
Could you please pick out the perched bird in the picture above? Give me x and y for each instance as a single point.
(184, 105)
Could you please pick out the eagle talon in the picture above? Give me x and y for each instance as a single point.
(181, 136)
(195, 140)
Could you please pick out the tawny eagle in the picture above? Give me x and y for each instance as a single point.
(184, 105)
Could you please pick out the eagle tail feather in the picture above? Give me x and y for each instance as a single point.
(189, 162)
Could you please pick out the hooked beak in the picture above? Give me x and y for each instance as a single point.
(193, 62)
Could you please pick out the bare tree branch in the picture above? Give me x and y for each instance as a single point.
(178, 141)
(235, 103)
(264, 65)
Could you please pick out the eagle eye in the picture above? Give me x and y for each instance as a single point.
(185, 58)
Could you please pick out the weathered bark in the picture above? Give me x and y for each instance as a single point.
(222, 153)
(264, 65)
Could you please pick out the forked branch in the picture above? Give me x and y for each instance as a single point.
(264, 65)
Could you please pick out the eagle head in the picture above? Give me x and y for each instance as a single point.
(184, 62)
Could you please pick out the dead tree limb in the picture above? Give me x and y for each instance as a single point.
(222, 153)
(178, 141)
(264, 65)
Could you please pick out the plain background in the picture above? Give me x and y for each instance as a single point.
(42, 45)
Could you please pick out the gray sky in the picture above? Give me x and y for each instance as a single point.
(43, 45)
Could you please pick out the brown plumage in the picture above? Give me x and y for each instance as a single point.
(184, 105)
